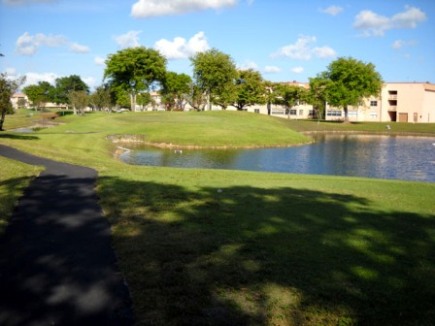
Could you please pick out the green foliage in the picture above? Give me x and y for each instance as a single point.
(250, 89)
(176, 88)
(7, 89)
(134, 70)
(65, 85)
(214, 74)
(350, 81)
(317, 94)
(101, 98)
(289, 95)
(79, 100)
(40, 93)
(144, 99)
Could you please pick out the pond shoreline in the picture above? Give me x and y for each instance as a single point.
(139, 140)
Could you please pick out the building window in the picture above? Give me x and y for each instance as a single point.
(311, 112)
(256, 110)
(301, 112)
(334, 113)
(373, 103)
(292, 112)
(373, 115)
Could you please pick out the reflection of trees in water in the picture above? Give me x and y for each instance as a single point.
(199, 158)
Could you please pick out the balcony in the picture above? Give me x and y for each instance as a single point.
(392, 97)
(392, 108)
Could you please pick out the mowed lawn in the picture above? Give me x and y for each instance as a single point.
(214, 247)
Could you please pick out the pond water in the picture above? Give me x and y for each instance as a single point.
(387, 157)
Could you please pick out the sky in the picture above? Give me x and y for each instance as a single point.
(284, 40)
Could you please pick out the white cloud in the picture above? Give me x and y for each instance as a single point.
(272, 69)
(100, 61)
(248, 65)
(10, 71)
(180, 48)
(324, 52)
(398, 44)
(34, 78)
(297, 70)
(373, 24)
(151, 8)
(128, 40)
(90, 81)
(332, 10)
(78, 48)
(303, 49)
(28, 44)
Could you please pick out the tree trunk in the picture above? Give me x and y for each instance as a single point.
(2, 119)
(268, 108)
(133, 101)
(346, 115)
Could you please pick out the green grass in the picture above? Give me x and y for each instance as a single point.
(14, 178)
(371, 127)
(214, 247)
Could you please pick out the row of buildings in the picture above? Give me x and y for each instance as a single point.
(398, 102)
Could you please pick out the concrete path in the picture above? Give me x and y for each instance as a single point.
(57, 265)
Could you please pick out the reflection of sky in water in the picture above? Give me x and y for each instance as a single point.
(408, 158)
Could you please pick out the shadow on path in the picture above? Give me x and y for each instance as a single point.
(57, 265)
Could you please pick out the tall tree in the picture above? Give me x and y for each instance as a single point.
(100, 99)
(135, 70)
(214, 75)
(318, 95)
(39, 94)
(290, 95)
(249, 88)
(65, 85)
(175, 89)
(79, 100)
(7, 88)
(350, 81)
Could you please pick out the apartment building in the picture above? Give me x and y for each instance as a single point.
(398, 102)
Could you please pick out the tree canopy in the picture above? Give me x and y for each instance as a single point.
(176, 88)
(7, 88)
(348, 81)
(134, 70)
(40, 93)
(65, 85)
(215, 74)
(250, 89)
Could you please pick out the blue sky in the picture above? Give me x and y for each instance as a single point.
(283, 39)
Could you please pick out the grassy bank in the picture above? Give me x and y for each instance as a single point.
(231, 247)
(427, 129)
(14, 178)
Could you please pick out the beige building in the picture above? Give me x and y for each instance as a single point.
(398, 102)
(18, 99)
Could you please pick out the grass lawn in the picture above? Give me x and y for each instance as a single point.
(14, 178)
(215, 247)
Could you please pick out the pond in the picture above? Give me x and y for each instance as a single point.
(387, 157)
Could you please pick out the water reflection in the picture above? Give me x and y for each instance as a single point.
(391, 157)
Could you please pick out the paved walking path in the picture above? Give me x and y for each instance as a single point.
(57, 265)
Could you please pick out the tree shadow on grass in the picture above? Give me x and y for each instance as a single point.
(252, 256)
(17, 136)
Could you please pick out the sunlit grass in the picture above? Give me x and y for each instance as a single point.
(14, 178)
